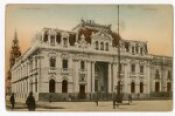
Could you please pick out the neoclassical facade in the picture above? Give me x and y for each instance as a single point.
(84, 61)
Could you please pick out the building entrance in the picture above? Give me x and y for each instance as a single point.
(101, 79)
(82, 92)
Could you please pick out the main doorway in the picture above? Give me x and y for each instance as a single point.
(101, 79)
(82, 92)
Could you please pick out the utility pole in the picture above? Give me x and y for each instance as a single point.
(119, 66)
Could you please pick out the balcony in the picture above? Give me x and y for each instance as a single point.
(33, 71)
(52, 70)
(66, 71)
(133, 74)
(82, 71)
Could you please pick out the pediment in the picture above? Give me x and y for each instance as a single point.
(102, 36)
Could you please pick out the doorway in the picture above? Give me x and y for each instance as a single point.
(101, 79)
(82, 91)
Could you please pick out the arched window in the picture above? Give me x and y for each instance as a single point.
(96, 45)
(52, 86)
(107, 46)
(52, 62)
(141, 87)
(132, 87)
(157, 86)
(64, 86)
(102, 45)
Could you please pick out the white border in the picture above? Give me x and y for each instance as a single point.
(3, 3)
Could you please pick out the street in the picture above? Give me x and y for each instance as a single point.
(149, 105)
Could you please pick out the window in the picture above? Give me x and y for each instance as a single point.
(157, 75)
(133, 68)
(169, 75)
(52, 40)
(107, 46)
(141, 51)
(65, 64)
(157, 87)
(58, 38)
(64, 86)
(141, 87)
(168, 86)
(52, 86)
(141, 69)
(102, 46)
(36, 85)
(65, 42)
(96, 45)
(82, 64)
(133, 50)
(137, 48)
(45, 37)
(127, 46)
(132, 87)
(52, 62)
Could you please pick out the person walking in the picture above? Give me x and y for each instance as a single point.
(12, 101)
(31, 105)
(130, 98)
(96, 99)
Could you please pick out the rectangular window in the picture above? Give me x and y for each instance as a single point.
(133, 68)
(141, 51)
(82, 64)
(132, 50)
(65, 64)
(52, 40)
(52, 62)
(127, 46)
(141, 69)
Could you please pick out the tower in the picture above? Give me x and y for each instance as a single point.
(15, 50)
(14, 53)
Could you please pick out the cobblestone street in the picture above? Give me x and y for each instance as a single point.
(152, 105)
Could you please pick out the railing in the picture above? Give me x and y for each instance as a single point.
(52, 70)
(66, 71)
(82, 71)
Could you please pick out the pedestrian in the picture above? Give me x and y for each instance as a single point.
(96, 99)
(12, 100)
(31, 102)
(130, 98)
(50, 98)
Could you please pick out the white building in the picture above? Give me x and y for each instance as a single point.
(80, 62)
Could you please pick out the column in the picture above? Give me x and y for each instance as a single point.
(109, 78)
(93, 77)
(76, 77)
(88, 77)
(147, 85)
(126, 66)
(115, 77)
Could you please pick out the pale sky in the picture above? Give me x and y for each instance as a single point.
(151, 23)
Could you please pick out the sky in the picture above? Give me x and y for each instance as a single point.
(151, 23)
